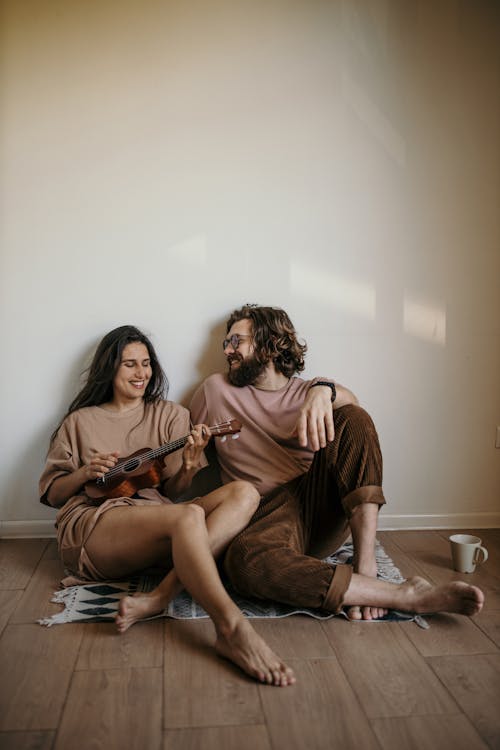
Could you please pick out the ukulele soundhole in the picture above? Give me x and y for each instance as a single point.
(131, 465)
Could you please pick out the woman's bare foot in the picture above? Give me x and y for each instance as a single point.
(243, 646)
(137, 607)
(457, 597)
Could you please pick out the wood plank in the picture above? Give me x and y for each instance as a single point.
(39, 663)
(103, 647)
(217, 738)
(200, 689)
(386, 671)
(18, 560)
(428, 733)
(26, 740)
(114, 709)
(298, 636)
(51, 551)
(449, 634)
(406, 564)
(474, 682)
(9, 600)
(320, 711)
(432, 552)
(36, 601)
(489, 622)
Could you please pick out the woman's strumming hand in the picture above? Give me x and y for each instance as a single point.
(99, 465)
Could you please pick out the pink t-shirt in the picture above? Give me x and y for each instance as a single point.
(266, 453)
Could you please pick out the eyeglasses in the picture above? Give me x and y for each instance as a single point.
(235, 340)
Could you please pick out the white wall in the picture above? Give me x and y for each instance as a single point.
(166, 161)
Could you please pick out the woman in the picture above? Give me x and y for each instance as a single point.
(119, 411)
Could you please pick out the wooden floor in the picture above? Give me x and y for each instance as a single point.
(160, 685)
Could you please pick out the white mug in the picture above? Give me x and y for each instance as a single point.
(467, 552)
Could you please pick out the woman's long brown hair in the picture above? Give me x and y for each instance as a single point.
(98, 388)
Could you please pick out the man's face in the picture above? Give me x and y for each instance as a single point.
(243, 366)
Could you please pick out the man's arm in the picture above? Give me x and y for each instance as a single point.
(315, 422)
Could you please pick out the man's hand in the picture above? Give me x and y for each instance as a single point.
(315, 423)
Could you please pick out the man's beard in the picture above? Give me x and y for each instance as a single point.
(247, 372)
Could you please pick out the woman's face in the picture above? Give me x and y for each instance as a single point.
(133, 373)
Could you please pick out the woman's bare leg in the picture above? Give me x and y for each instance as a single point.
(228, 510)
(136, 536)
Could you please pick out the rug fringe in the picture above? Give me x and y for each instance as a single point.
(66, 597)
(60, 618)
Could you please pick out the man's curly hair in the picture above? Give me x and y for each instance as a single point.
(274, 337)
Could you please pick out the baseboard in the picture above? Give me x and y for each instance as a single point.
(27, 529)
(387, 522)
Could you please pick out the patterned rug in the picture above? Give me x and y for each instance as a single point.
(99, 601)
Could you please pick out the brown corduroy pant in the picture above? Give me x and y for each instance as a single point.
(277, 555)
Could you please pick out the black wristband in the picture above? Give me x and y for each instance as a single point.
(329, 385)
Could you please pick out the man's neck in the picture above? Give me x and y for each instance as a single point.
(271, 379)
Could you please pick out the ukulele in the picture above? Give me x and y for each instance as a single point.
(142, 468)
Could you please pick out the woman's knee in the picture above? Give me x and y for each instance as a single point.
(190, 517)
(245, 495)
(238, 495)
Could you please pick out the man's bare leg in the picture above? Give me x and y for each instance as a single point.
(414, 595)
(363, 524)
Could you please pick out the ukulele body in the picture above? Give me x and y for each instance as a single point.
(133, 473)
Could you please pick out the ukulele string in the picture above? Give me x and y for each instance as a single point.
(152, 454)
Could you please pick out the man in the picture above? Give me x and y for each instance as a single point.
(313, 454)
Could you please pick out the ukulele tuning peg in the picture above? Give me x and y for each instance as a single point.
(223, 439)
(236, 436)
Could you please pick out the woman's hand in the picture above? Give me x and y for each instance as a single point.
(196, 442)
(195, 445)
(68, 485)
(98, 466)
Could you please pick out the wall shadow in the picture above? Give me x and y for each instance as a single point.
(210, 360)
(31, 460)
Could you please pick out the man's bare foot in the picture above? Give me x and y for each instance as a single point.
(137, 607)
(457, 597)
(247, 650)
(369, 569)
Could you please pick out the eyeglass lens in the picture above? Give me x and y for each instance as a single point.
(234, 340)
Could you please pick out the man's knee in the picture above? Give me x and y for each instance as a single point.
(355, 417)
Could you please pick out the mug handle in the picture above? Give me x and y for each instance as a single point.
(480, 552)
